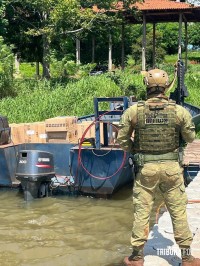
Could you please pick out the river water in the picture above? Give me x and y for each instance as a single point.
(65, 230)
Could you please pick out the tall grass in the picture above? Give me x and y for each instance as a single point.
(37, 100)
(193, 84)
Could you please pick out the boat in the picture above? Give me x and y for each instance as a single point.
(92, 167)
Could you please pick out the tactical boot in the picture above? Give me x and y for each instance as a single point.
(128, 262)
(136, 259)
(191, 262)
(187, 258)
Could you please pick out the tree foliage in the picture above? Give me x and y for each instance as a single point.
(42, 30)
(159, 46)
(194, 33)
(6, 70)
(3, 21)
(170, 36)
(42, 22)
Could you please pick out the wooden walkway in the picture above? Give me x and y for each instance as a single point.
(192, 153)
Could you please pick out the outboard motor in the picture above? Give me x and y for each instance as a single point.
(34, 170)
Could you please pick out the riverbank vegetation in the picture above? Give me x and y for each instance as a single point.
(35, 100)
(48, 80)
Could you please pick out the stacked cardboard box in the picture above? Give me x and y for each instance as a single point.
(41, 132)
(28, 133)
(17, 133)
(62, 129)
(82, 127)
(35, 132)
(53, 130)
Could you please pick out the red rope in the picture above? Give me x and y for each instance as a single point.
(193, 201)
(80, 150)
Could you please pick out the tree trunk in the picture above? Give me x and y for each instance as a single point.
(45, 59)
(37, 69)
(17, 64)
(144, 44)
(110, 53)
(123, 47)
(78, 52)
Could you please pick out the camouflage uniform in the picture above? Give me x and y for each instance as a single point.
(159, 168)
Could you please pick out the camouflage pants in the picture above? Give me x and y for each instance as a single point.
(166, 179)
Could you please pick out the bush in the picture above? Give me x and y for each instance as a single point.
(37, 100)
(6, 70)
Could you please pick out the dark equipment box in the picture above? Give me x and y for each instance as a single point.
(4, 130)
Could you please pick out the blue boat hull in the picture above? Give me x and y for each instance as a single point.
(100, 172)
(95, 171)
(106, 169)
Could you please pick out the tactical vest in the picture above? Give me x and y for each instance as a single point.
(156, 131)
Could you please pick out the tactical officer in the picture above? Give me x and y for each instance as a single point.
(158, 125)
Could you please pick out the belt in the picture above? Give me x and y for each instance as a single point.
(161, 157)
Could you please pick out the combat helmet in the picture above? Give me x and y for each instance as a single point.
(156, 80)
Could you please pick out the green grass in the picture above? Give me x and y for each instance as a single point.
(36, 100)
(41, 99)
(28, 70)
(193, 56)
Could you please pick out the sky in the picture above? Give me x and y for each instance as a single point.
(195, 2)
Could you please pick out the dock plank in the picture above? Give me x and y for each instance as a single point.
(192, 153)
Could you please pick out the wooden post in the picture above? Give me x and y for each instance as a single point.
(154, 45)
(110, 53)
(17, 64)
(144, 44)
(78, 61)
(123, 46)
(37, 69)
(180, 36)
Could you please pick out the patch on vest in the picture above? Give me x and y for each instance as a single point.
(159, 119)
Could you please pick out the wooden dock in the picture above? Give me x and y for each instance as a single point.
(192, 153)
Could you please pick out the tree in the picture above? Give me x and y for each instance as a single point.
(159, 52)
(3, 21)
(39, 21)
(193, 34)
(6, 70)
(170, 36)
(35, 26)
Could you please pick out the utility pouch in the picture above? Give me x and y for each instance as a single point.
(139, 159)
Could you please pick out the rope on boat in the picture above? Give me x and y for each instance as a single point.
(80, 150)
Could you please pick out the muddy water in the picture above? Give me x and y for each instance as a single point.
(65, 231)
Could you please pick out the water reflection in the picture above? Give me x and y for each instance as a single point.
(65, 230)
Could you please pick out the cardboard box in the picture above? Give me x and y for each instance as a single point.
(81, 127)
(35, 132)
(62, 137)
(61, 123)
(73, 137)
(17, 133)
(41, 132)
(30, 132)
